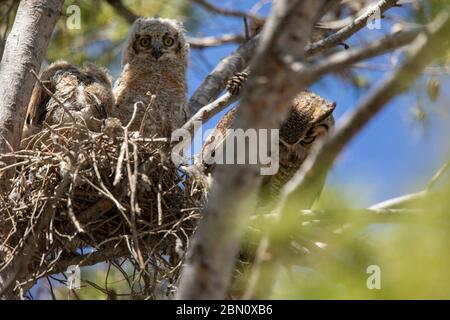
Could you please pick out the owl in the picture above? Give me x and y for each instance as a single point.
(310, 117)
(154, 63)
(85, 92)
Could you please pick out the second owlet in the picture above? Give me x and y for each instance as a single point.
(310, 117)
(85, 92)
(154, 62)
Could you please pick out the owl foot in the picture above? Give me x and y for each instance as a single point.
(235, 84)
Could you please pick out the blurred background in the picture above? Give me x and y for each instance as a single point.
(397, 154)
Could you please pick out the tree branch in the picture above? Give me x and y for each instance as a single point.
(214, 84)
(226, 12)
(346, 32)
(315, 70)
(216, 81)
(208, 42)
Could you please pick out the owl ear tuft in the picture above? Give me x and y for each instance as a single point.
(324, 112)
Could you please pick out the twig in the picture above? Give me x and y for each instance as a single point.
(208, 111)
(437, 176)
(227, 12)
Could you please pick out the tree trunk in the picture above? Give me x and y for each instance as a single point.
(24, 51)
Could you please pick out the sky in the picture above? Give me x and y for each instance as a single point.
(393, 155)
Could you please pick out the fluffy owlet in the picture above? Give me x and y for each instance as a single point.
(85, 92)
(309, 118)
(154, 62)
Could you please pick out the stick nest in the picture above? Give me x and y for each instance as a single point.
(79, 197)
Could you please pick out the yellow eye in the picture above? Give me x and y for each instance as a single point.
(145, 42)
(168, 41)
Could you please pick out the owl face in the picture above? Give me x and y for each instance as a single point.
(310, 118)
(156, 40)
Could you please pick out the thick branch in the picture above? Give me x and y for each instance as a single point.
(216, 81)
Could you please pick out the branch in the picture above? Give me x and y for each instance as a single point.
(208, 42)
(427, 46)
(208, 111)
(210, 89)
(343, 59)
(216, 81)
(346, 32)
(215, 245)
(123, 10)
(226, 12)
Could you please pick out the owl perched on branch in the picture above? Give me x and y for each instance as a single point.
(310, 117)
(154, 63)
(84, 92)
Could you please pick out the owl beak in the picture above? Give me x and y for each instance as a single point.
(157, 53)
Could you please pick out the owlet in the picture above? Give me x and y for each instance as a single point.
(85, 92)
(309, 118)
(154, 62)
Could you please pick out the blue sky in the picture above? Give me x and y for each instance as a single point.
(393, 155)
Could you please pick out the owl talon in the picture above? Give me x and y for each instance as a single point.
(235, 84)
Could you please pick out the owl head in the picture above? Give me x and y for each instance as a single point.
(310, 117)
(155, 40)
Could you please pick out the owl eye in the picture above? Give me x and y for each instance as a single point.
(314, 133)
(309, 138)
(168, 41)
(145, 42)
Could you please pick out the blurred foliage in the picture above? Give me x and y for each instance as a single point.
(412, 250)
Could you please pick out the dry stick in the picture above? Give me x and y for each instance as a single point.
(427, 46)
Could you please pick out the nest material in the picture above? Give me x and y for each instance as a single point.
(110, 192)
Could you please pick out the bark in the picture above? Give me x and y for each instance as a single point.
(24, 51)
